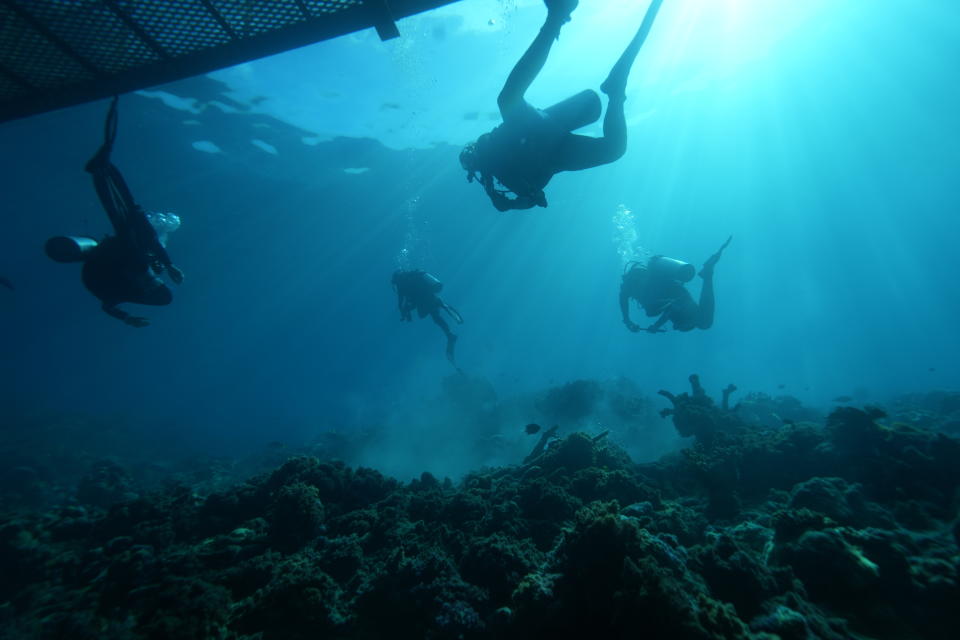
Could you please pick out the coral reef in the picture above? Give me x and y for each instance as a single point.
(845, 528)
(695, 414)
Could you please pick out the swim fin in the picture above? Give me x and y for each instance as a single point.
(451, 345)
(712, 261)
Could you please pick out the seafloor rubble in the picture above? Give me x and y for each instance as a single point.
(842, 529)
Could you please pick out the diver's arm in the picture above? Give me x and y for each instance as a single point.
(159, 266)
(163, 263)
(147, 241)
(625, 309)
(538, 199)
(118, 313)
(656, 327)
(504, 203)
(175, 273)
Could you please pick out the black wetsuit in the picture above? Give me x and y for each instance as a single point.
(532, 145)
(418, 290)
(124, 267)
(115, 272)
(522, 155)
(667, 298)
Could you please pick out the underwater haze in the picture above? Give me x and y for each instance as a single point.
(277, 455)
(821, 136)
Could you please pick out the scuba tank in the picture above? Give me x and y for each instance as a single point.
(576, 111)
(69, 248)
(431, 282)
(671, 268)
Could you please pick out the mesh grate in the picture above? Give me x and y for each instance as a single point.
(9, 88)
(179, 27)
(33, 57)
(330, 6)
(72, 51)
(96, 33)
(251, 18)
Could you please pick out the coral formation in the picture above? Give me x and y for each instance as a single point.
(846, 528)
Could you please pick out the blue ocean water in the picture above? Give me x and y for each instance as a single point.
(823, 138)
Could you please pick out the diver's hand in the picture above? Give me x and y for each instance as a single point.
(135, 321)
(632, 326)
(175, 274)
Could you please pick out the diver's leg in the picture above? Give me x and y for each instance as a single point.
(614, 131)
(707, 302)
(533, 59)
(451, 337)
(451, 345)
(441, 323)
(616, 83)
(582, 152)
(711, 262)
(114, 195)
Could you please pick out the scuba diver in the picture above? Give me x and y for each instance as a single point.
(532, 145)
(658, 288)
(418, 290)
(126, 266)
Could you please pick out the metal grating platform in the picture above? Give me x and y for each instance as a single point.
(57, 53)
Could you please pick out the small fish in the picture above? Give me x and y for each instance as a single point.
(532, 428)
(843, 399)
(932, 369)
(5, 282)
(781, 386)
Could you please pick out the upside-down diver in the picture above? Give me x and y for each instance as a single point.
(532, 145)
(126, 266)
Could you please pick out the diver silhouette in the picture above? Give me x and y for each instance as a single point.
(126, 266)
(658, 288)
(417, 289)
(532, 145)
